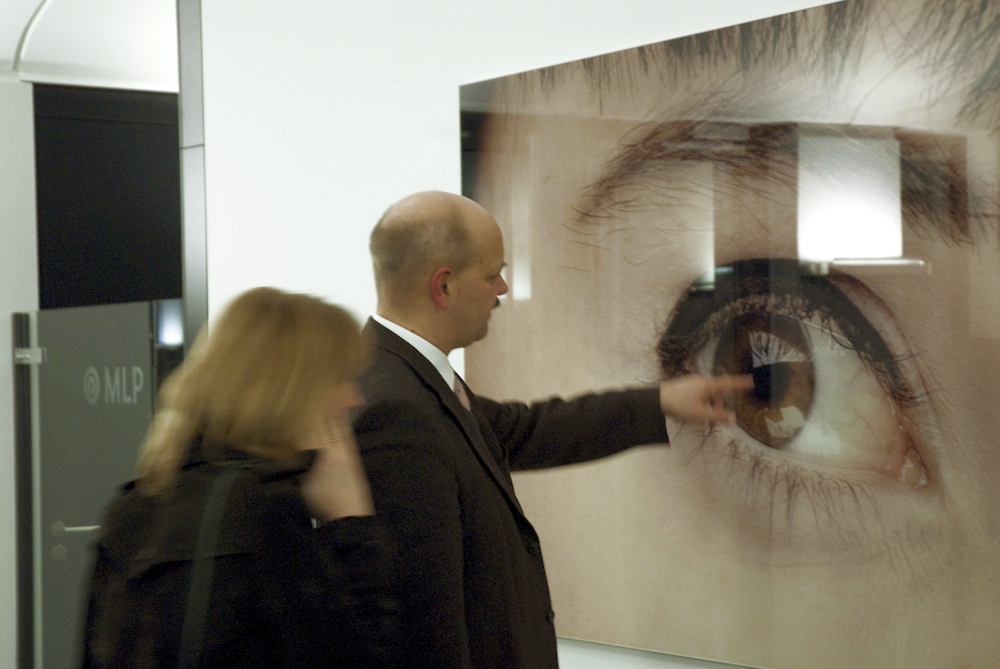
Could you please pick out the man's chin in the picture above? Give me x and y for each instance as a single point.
(478, 337)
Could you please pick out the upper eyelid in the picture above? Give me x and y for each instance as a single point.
(691, 318)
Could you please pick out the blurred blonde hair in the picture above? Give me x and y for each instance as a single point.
(258, 382)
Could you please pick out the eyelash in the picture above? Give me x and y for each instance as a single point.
(826, 493)
(815, 298)
(834, 324)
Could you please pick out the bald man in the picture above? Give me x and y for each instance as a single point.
(439, 458)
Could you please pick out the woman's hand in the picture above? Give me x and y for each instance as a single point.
(337, 486)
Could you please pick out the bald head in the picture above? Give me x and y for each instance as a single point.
(417, 235)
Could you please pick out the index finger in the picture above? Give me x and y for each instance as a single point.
(729, 382)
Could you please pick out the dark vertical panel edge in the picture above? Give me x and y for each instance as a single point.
(21, 330)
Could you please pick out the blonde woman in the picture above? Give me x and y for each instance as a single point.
(299, 569)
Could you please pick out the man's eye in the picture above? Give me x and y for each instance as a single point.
(826, 386)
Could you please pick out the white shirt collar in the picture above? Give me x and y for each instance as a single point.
(434, 355)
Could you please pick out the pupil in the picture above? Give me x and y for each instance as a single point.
(770, 383)
(775, 350)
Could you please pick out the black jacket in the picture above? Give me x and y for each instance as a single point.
(474, 587)
(283, 593)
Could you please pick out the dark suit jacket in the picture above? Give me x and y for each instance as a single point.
(474, 587)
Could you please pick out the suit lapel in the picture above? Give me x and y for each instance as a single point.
(470, 427)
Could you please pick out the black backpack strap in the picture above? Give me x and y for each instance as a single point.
(192, 634)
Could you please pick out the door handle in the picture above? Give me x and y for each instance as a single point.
(60, 528)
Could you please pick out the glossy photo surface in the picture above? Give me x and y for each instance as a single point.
(810, 199)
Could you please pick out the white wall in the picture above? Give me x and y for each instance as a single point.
(575, 654)
(18, 292)
(319, 115)
(14, 16)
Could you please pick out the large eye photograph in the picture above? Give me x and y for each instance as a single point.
(810, 200)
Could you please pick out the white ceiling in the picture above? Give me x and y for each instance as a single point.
(128, 44)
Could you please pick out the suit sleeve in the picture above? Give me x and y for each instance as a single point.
(357, 550)
(416, 493)
(331, 588)
(558, 432)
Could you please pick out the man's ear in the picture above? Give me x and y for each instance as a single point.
(440, 280)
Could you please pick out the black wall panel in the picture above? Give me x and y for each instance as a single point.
(108, 186)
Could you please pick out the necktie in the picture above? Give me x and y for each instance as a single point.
(461, 394)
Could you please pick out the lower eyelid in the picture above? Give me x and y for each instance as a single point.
(801, 495)
(802, 507)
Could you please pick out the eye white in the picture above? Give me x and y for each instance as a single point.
(852, 421)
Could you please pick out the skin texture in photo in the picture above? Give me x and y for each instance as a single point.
(656, 205)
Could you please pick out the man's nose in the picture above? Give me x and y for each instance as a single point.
(502, 286)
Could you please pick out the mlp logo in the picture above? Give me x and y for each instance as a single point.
(120, 387)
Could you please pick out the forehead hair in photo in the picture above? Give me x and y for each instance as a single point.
(811, 199)
(955, 44)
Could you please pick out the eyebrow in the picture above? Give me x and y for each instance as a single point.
(964, 40)
(934, 187)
